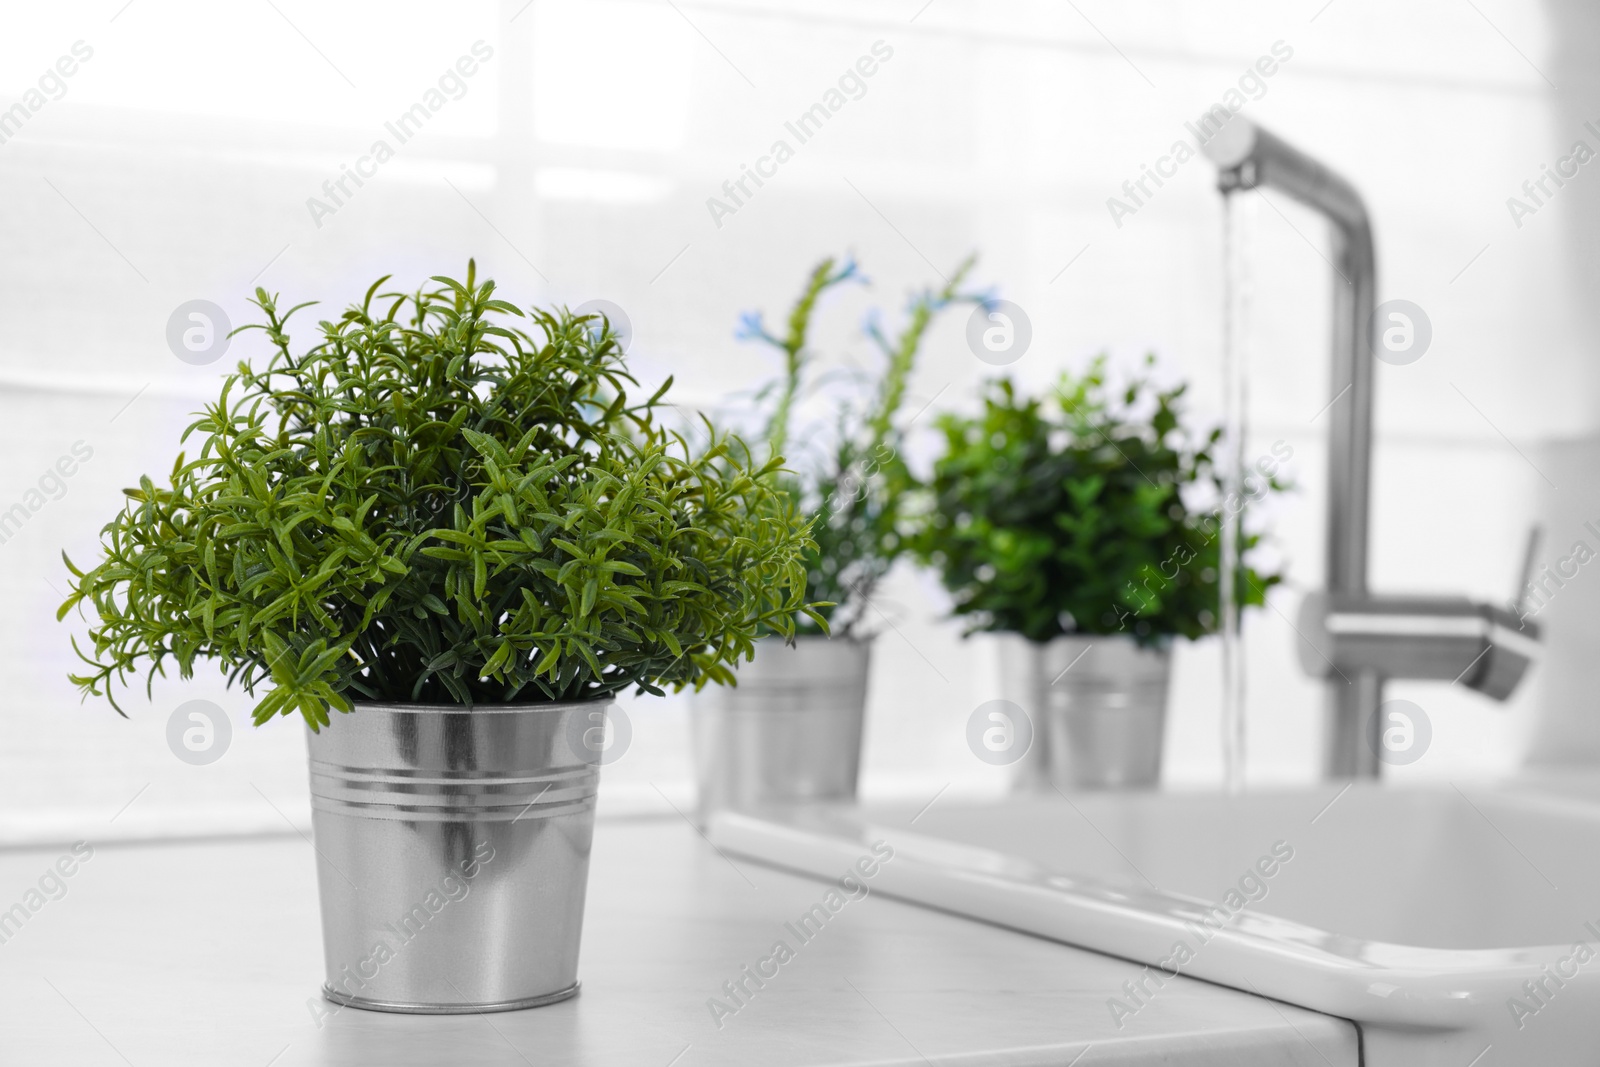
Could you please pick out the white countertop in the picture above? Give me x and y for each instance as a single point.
(206, 952)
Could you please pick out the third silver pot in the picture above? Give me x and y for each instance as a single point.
(789, 732)
(1097, 704)
(1105, 710)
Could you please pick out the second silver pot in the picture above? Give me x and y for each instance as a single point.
(789, 732)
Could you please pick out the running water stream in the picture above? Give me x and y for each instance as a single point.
(1238, 218)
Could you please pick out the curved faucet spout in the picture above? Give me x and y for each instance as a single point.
(1349, 636)
(1249, 157)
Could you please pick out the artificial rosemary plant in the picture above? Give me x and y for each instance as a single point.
(434, 504)
(852, 486)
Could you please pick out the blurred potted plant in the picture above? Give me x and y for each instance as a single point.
(1079, 524)
(790, 731)
(468, 536)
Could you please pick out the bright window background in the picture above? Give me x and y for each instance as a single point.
(576, 165)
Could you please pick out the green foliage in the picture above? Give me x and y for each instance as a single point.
(432, 504)
(1075, 521)
(853, 488)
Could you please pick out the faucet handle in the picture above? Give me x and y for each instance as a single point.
(1519, 598)
(1453, 639)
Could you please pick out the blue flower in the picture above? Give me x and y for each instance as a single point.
(751, 327)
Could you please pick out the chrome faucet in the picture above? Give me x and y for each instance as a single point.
(1348, 636)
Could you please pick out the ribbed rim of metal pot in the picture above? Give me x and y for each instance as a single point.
(484, 709)
(429, 762)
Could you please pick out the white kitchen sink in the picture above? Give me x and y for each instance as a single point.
(1453, 926)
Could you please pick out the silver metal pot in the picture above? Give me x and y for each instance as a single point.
(1105, 708)
(789, 732)
(453, 853)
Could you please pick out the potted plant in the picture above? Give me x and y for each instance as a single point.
(791, 729)
(466, 534)
(1090, 524)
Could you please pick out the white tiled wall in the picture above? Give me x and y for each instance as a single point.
(578, 164)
